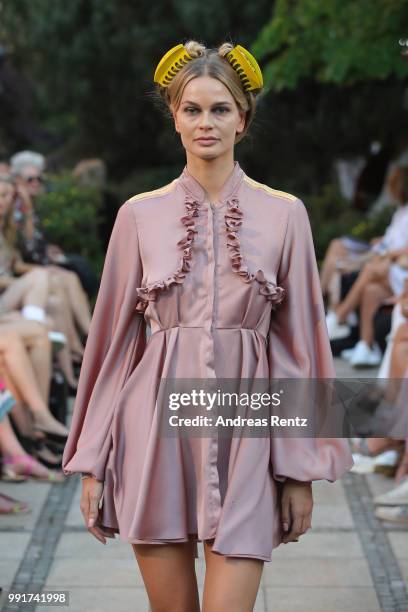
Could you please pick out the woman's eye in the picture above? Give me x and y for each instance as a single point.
(190, 109)
(222, 109)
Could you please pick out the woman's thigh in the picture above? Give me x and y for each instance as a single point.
(168, 572)
(29, 331)
(231, 583)
(13, 296)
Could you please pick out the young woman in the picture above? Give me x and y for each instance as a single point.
(37, 290)
(381, 278)
(223, 270)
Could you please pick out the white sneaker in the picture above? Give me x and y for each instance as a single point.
(336, 330)
(398, 496)
(347, 353)
(362, 464)
(364, 356)
(398, 515)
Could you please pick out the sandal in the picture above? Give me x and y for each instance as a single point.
(28, 462)
(54, 437)
(9, 505)
(35, 446)
(9, 474)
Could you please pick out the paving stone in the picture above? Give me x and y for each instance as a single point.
(319, 599)
(399, 544)
(104, 599)
(321, 546)
(312, 572)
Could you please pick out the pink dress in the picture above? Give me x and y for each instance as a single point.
(229, 290)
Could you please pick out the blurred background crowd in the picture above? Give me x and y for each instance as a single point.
(80, 134)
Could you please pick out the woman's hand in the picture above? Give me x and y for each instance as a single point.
(91, 495)
(297, 506)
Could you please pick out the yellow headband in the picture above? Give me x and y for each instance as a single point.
(240, 59)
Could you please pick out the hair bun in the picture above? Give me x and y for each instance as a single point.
(194, 48)
(225, 48)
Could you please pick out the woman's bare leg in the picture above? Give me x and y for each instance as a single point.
(31, 288)
(376, 271)
(230, 583)
(19, 370)
(35, 338)
(372, 297)
(168, 572)
(60, 310)
(77, 297)
(335, 251)
(68, 323)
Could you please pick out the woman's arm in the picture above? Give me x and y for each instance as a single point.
(115, 344)
(299, 348)
(20, 266)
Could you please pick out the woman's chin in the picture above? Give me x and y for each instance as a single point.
(208, 154)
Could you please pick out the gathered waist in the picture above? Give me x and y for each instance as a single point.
(251, 329)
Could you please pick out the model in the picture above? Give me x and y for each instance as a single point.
(222, 269)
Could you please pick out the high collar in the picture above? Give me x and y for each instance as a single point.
(195, 189)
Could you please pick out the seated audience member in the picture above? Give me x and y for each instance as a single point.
(27, 168)
(381, 279)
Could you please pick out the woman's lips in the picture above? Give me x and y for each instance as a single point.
(206, 141)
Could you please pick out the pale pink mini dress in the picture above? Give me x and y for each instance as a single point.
(229, 290)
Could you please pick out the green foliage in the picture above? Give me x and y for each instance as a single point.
(331, 216)
(334, 67)
(374, 225)
(93, 61)
(333, 41)
(70, 216)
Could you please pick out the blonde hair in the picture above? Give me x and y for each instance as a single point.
(213, 63)
(9, 225)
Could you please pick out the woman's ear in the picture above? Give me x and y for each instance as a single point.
(242, 121)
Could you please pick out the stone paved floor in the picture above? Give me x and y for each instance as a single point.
(348, 561)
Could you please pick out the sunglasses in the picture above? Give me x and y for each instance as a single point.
(31, 179)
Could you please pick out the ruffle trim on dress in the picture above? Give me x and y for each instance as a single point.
(233, 221)
(149, 292)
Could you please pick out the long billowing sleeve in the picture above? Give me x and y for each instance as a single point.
(299, 347)
(115, 344)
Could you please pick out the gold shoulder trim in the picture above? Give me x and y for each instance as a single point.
(275, 192)
(155, 192)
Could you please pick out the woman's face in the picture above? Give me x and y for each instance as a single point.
(6, 197)
(208, 118)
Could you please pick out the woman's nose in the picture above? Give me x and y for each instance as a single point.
(206, 121)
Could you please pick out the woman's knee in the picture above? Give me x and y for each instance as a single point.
(37, 275)
(9, 338)
(374, 292)
(336, 245)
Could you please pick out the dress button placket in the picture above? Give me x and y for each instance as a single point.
(213, 477)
